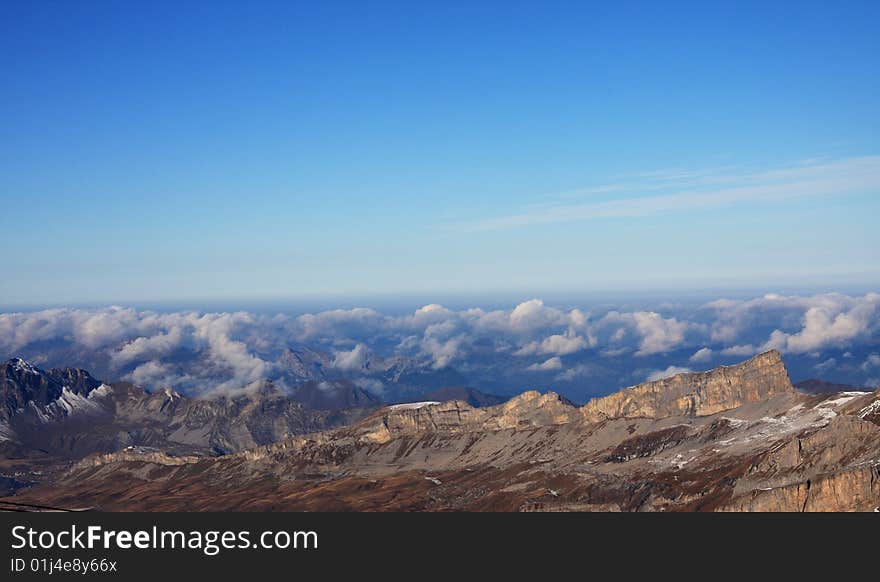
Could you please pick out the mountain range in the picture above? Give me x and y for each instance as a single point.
(731, 439)
(66, 413)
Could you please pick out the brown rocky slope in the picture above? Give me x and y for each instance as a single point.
(733, 439)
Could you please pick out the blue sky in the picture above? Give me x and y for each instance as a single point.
(159, 152)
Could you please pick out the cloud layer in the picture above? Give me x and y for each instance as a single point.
(208, 351)
(689, 191)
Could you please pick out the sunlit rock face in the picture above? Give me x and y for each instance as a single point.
(697, 394)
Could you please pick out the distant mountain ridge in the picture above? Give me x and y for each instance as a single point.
(24, 386)
(391, 378)
(66, 412)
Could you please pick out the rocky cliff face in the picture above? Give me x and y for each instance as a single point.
(529, 409)
(22, 383)
(697, 394)
(76, 380)
(856, 489)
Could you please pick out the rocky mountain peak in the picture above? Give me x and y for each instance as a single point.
(76, 380)
(697, 393)
(19, 365)
(21, 383)
(529, 409)
(532, 408)
(535, 399)
(690, 394)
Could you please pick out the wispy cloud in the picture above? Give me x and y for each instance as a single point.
(686, 191)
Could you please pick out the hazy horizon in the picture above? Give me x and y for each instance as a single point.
(402, 302)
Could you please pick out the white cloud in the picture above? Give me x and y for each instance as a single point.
(351, 360)
(224, 351)
(370, 385)
(830, 324)
(148, 347)
(196, 351)
(560, 345)
(526, 317)
(658, 334)
(554, 363)
(134, 337)
(804, 324)
(153, 373)
(741, 351)
(431, 314)
(533, 314)
(442, 353)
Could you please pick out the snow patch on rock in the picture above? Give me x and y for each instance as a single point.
(413, 405)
